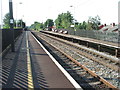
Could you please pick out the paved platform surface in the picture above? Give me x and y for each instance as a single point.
(30, 67)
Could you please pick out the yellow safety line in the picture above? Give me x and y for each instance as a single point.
(30, 79)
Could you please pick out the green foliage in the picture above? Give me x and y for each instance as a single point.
(49, 23)
(64, 20)
(92, 24)
(82, 25)
(94, 21)
(20, 23)
(89, 26)
(6, 21)
(37, 26)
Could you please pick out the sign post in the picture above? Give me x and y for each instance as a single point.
(11, 25)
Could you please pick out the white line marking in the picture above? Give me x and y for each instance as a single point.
(75, 84)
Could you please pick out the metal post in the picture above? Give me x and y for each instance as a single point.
(11, 25)
(17, 8)
(1, 16)
(74, 18)
(21, 23)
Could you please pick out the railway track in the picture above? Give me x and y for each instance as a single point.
(78, 68)
(102, 46)
(112, 62)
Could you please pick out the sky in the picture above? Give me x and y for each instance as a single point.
(40, 10)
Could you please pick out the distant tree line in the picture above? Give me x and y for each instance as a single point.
(92, 24)
(38, 26)
(65, 20)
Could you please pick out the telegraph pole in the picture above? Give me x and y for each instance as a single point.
(11, 25)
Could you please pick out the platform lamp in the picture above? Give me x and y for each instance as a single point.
(74, 19)
(20, 3)
(11, 25)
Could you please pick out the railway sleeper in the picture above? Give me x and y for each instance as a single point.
(70, 63)
(70, 70)
(76, 67)
(95, 83)
(90, 78)
(80, 70)
(74, 73)
(100, 87)
(64, 60)
(82, 73)
(87, 75)
(66, 67)
(86, 86)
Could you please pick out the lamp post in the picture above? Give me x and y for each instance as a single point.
(11, 25)
(74, 18)
(16, 13)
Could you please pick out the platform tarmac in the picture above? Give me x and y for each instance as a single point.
(31, 67)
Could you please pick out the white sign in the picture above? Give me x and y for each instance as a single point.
(11, 21)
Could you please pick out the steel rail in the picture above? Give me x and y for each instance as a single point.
(85, 68)
(114, 67)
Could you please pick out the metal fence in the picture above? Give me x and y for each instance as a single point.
(7, 37)
(100, 35)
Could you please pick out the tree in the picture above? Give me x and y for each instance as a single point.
(21, 24)
(95, 21)
(89, 26)
(82, 25)
(58, 21)
(37, 26)
(6, 23)
(49, 23)
(6, 20)
(64, 20)
(41, 25)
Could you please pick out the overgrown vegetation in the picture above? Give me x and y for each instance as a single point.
(38, 26)
(18, 24)
(65, 20)
(6, 21)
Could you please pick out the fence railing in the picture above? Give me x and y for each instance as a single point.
(95, 34)
(7, 37)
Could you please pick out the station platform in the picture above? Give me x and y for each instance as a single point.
(31, 67)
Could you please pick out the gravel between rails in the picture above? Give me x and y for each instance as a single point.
(101, 70)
